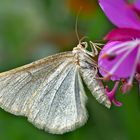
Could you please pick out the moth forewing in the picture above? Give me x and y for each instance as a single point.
(17, 86)
(40, 64)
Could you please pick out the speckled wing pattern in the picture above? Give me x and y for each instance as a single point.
(49, 92)
(95, 85)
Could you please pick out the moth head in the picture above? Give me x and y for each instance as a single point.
(80, 47)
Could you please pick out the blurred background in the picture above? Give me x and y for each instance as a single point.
(33, 29)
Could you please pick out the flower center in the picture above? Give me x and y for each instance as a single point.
(125, 48)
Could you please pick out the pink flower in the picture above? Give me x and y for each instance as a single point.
(120, 57)
(121, 13)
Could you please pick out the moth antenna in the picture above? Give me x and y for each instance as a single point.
(76, 26)
(83, 38)
(76, 30)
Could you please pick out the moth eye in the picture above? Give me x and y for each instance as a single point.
(83, 45)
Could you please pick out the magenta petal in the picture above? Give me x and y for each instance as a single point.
(138, 68)
(137, 4)
(125, 68)
(111, 94)
(120, 13)
(135, 8)
(117, 103)
(122, 34)
(126, 87)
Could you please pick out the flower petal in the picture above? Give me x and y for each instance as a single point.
(138, 68)
(122, 34)
(125, 68)
(117, 103)
(137, 4)
(120, 13)
(135, 8)
(111, 94)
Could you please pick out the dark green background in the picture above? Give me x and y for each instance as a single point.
(33, 29)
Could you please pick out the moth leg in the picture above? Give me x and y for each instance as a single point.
(94, 48)
(95, 75)
(96, 71)
(85, 45)
(99, 78)
(97, 45)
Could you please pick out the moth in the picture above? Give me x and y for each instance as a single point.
(50, 92)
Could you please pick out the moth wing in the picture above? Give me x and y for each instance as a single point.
(90, 77)
(49, 92)
(61, 106)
